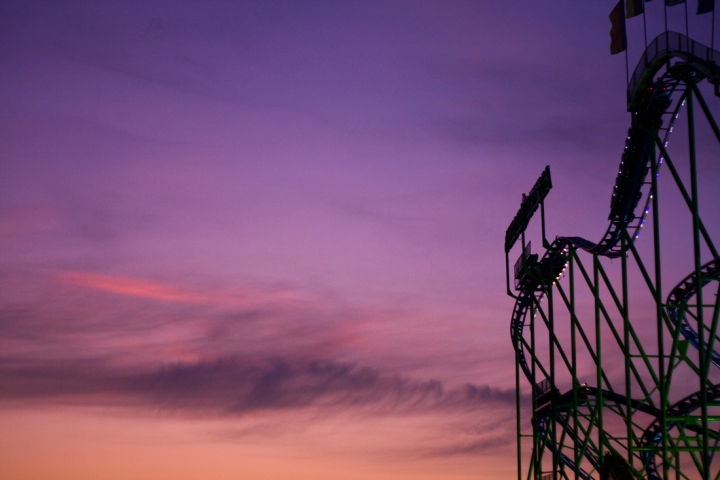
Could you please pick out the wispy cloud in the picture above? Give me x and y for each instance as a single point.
(235, 386)
(150, 347)
(266, 361)
(79, 315)
(139, 287)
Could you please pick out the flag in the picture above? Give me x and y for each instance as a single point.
(705, 6)
(618, 38)
(634, 8)
(670, 3)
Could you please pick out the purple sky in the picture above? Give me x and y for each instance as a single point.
(286, 220)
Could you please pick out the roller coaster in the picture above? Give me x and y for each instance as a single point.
(615, 392)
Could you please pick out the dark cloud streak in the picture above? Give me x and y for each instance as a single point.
(230, 386)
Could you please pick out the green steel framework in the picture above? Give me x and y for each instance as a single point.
(647, 405)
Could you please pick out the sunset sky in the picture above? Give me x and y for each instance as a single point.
(264, 240)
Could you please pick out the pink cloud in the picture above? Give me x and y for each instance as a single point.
(142, 288)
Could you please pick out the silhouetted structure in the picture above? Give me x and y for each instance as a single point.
(650, 412)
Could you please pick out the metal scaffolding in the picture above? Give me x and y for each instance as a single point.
(619, 392)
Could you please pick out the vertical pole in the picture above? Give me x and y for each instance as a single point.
(573, 344)
(536, 453)
(542, 220)
(645, 31)
(624, 19)
(698, 273)
(627, 69)
(517, 406)
(551, 318)
(553, 403)
(712, 34)
(626, 350)
(598, 353)
(538, 471)
(662, 378)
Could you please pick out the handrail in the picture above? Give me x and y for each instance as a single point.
(665, 46)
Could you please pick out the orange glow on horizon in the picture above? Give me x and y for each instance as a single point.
(76, 443)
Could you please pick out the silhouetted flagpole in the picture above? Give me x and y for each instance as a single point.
(627, 70)
(645, 29)
(712, 32)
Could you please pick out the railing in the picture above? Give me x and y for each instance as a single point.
(542, 388)
(664, 45)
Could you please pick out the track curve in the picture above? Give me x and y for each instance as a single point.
(653, 434)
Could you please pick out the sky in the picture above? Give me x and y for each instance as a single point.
(264, 240)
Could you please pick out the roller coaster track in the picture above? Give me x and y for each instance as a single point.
(680, 295)
(654, 432)
(650, 101)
